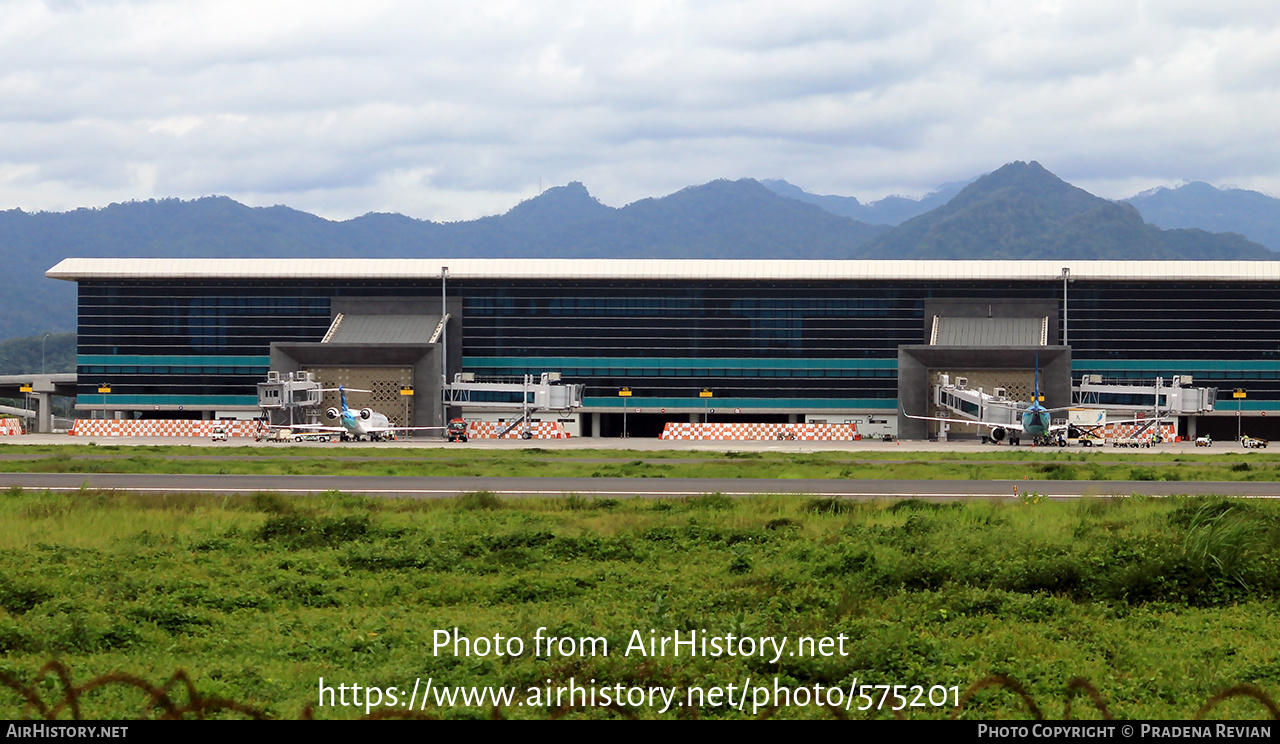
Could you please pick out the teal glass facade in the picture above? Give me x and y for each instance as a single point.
(756, 344)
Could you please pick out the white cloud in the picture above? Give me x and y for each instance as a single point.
(454, 110)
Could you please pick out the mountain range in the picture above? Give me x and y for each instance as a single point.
(1023, 211)
(1019, 211)
(891, 210)
(1197, 204)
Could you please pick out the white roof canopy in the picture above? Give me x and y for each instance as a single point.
(88, 269)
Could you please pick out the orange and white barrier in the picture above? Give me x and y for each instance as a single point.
(748, 432)
(160, 428)
(1129, 431)
(11, 427)
(540, 430)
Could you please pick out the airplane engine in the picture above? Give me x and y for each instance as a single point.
(366, 413)
(998, 434)
(331, 413)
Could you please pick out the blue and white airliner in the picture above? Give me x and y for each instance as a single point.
(1035, 421)
(356, 424)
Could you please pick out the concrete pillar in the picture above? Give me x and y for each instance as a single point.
(44, 412)
(792, 418)
(694, 417)
(1191, 427)
(595, 425)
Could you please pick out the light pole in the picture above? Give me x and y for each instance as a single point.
(1239, 395)
(1066, 275)
(624, 393)
(46, 338)
(444, 347)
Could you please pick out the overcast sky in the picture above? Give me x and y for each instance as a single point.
(453, 110)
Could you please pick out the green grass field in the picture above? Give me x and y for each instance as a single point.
(1158, 603)
(1007, 464)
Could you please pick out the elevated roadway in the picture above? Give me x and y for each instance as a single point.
(43, 388)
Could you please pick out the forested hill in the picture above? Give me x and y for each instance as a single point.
(891, 210)
(1023, 211)
(1019, 211)
(721, 219)
(1198, 204)
(32, 354)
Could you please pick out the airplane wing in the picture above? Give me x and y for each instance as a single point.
(407, 428)
(311, 427)
(988, 424)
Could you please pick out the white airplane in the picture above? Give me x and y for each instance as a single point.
(365, 422)
(1035, 422)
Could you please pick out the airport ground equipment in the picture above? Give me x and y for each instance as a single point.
(525, 395)
(1086, 427)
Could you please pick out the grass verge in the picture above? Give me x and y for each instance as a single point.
(1160, 603)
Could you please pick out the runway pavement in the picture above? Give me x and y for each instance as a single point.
(428, 487)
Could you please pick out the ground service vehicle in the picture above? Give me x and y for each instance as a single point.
(274, 435)
(1204, 442)
(458, 430)
(1253, 443)
(219, 434)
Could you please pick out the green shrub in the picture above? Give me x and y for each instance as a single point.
(830, 505)
(271, 503)
(480, 500)
(20, 599)
(924, 505)
(296, 531)
(1142, 474)
(168, 617)
(711, 501)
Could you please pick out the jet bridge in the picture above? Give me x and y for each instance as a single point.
(290, 398)
(527, 395)
(975, 405)
(1173, 397)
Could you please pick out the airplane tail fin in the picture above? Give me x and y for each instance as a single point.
(342, 396)
(1036, 399)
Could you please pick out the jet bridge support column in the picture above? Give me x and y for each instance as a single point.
(44, 412)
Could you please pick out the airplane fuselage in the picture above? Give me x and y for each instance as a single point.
(1035, 421)
(373, 427)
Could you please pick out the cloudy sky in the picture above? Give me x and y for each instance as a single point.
(453, 110)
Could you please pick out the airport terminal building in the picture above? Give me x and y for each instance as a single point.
(749, 341)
